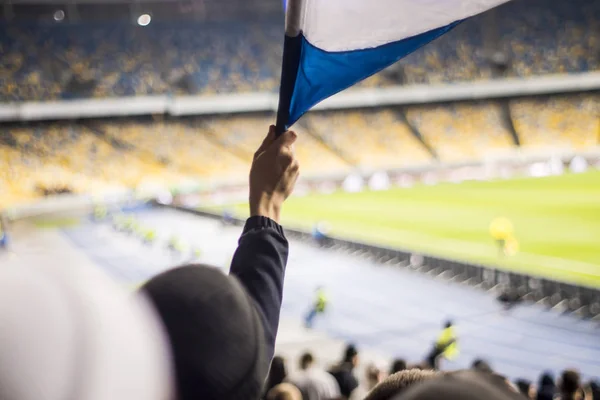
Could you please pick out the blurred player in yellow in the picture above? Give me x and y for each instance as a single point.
(149, 236)
(318, 307)
(100, 212)
(502, 231)
(445, 346)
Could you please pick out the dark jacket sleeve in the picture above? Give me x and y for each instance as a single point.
(259, 264)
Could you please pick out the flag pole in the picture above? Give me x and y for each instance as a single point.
(291, 60)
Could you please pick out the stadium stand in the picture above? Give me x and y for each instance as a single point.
(126, 153)
(557, 123)
(244, 132)
(379, 138)
(461, 132)
(518, 39)
(44, 62)
(175, 146)
(97, 155)
(54, 61)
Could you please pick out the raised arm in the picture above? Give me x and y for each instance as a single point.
(260, 260)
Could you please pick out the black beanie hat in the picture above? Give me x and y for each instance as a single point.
(216, 334)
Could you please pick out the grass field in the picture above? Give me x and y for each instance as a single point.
(556, 221)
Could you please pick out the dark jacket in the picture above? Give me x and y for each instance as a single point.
(221, 328)
(259, 264)
(345, 378)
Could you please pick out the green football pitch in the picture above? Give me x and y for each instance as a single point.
(556, 221)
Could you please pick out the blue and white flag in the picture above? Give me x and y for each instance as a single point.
(332, 44)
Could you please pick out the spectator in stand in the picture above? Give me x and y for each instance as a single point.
(374, 376)
(595, 389)
(546, 387)
(425, 385)
(570, 385)
(313, 382)
(344, 372)
(284, 391)
(525, 388)
(277, 374)
(397, 383)
(222, 328)
(481, 366)
(398, 365)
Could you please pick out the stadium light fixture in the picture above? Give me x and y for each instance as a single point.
(144, 19)
(59, 15)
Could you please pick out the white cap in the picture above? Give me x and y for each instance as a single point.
(69, 333)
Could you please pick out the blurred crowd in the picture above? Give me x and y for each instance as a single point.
(74, 60)
(97, 156)
(350, 379)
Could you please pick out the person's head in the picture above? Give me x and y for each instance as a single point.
(569, 383)
(306, 361)
(277, 372)
(546, 387)
(397, 383)
(351, 355)
(433, 385)
(448, 324)
(546, 380)
(217, 340)
(284, 391)
(374, 375)
(397, 365)
(524, 386)
(481, 366)
(595, 389)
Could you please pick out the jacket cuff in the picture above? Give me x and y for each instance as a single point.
(259, 222)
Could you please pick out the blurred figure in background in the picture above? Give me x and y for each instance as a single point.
(228, 218)
(398, 365)
(374, 375)
(502, 231)
(396, 384)
(456, 385)
(100, 212)
(318, 307)
(320, 234)
(546, 387)
(3, 233)
(284, 391)
(176, 245)
(314, 382)
(525, 388)
(594, 387)
(446, 346)
(509, 298)
(569, 387)
(149, 236)
(344, 371)
(277, 374)
(481, 366)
